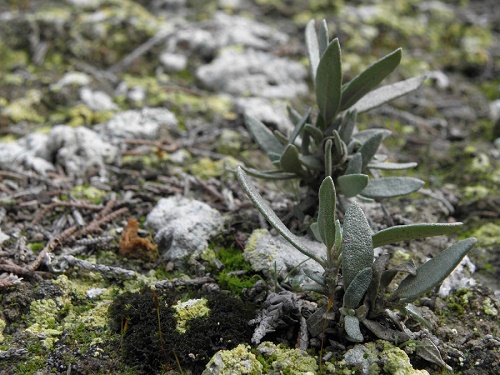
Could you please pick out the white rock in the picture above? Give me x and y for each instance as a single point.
(254, 73)
(183, 227)
(147, 123)
(97, 100)
(173, 62)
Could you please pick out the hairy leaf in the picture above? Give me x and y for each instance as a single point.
(391, 166)
(312, 162)
(357, 249)
(388, 187)
(290, 160)
(369, 79)
(355, 165)
(369, 148)
(323, 37)
(412, 232)
(329, 82)
(351, 325)
(316, 277)
(351, 185)
(433, 272)
(269, 175)
(387, 93)
(264, 137)
(328, 157)
(326, 214)
(348, 125)
(363, 135)
(356, 290)
(299, 125)
(271, 217)
(312, 47)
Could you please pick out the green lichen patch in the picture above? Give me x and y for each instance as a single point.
(239, 360)
(190, 309)
(287, 361)
(88, 193)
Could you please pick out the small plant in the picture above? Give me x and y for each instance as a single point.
(328, 144)
(355, 283)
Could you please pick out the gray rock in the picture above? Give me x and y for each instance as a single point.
(254, 73)
(71, 79)
(97, 100)
(459, 278)
(80, 151)
(262, 250)
(183, 227)
(21, 153)
(173, 62)
(271, 113)
(147, 123)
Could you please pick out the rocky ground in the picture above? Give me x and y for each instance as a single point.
(126, 242)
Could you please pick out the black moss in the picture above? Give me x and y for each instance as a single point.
(135, 315)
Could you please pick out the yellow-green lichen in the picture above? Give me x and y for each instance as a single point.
(236, 361)
(42, 320)
(89, 193)
(207, 168)
(488, 234)
(489, 307)
(2, 327)
(185, 311)
(285, 360)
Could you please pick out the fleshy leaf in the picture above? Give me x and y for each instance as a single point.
(312, 48)
(264, 137)
(363, 135)
(387, 93)
(412, 232)
(355, 165)
(351, 185)
(347, 127)
(369, 148)
(433, 272)
(299, 125)
(356, 290)
(323, 37)
(271, 217)
(290, 160)
(312, 162)
(388, 187)
(326, 214)
(412, 310)
(329, 82)
(391, 166)
(316, 277)
(369, 79)
(351, 325)
(357, 250)
(269, 175)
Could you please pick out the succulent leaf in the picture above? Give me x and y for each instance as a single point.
(271, 217)
(433, 272)
(312, 47)
(387, 93)
(351, 325)
(326, 214)
(357, 289)
(355, 165)
(323, 37)
(348, 125)
(357, 249)
(269, 175)
(391, 166)
(369, 79)
(290, 161)
(329, 82)
(369, 148)
(388, 187)
(351, 185)
(264, 137)
(412, 232)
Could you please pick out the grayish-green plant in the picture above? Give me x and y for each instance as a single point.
(328, 143)
(355, 283)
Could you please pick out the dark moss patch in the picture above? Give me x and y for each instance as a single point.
(135, 315)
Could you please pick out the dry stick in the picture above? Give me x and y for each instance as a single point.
(94, 226)
(138, 52)
(51, 206)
